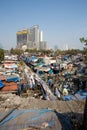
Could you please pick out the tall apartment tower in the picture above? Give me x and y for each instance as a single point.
(31, 38)
(34, 36)
(22, 38)
(41, 36)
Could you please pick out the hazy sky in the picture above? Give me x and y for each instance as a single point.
(62, 21)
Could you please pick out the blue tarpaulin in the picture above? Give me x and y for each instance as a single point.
(80, 95)
(12, 79)
(68, 97)
(43, 119)
(1, 84)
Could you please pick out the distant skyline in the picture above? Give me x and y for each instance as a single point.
(63, 22)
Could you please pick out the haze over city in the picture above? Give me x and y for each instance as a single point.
(62, 21)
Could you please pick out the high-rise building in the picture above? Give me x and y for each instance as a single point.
(22, 38)
(32, 38)
(43, 45)
(41, 36)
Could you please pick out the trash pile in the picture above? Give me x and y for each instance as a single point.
(65, 77)
(61, 79)
(43, 84)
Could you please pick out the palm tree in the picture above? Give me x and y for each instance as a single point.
(83, 40)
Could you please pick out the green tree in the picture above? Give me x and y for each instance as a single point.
(1, 54)
(83, 40)
(84, 52)
(12, 51)
(58, 52)
(16, 51)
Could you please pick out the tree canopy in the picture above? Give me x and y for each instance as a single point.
(1, 54)
(16, 51)
(83, 40)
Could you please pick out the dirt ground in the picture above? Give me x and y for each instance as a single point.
(72, 109)
(9, 101)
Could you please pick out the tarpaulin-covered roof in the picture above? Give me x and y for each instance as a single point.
(12, 79)
(1, 84)
(41, 119)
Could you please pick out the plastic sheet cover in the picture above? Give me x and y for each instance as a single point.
(43, 119)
